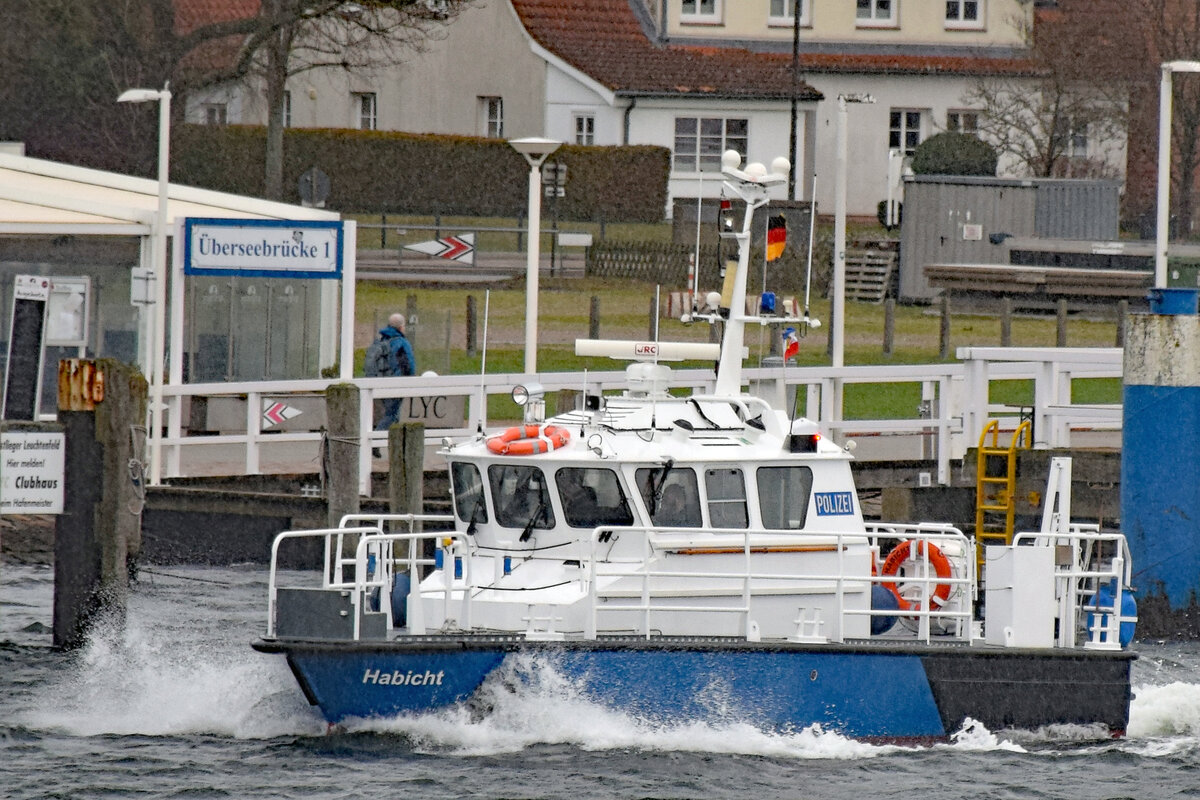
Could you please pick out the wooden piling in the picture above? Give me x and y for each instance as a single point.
(594, 318)
(340, 459)
(1006, 321)
(1060, 333)
(472, 325)
(889, 327)
(97, 538)
(944, 329)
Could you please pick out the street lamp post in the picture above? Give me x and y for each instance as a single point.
(1164, 167)
(159, 258)
(536, 151)
(838, 299)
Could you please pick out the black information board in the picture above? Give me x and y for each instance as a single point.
(22, 385)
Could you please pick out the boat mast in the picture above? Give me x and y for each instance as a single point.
(751, 186)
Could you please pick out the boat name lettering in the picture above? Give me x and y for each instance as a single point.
(834, 503)
(398, 678)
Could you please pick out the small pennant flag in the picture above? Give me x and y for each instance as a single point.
(275, 413)
(776, 236)
(791, 343)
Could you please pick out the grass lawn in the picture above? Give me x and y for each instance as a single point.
(439, 332)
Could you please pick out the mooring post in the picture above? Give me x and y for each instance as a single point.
(1006, 321)
(97, 538)
(1060, 332)
(341, 456)
(944, 328)
(889, 327)
(472, 326)
(594, 318)
(406, 476)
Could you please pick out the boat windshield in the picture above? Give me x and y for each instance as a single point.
(726, 490)
(783, 494)
(591, 497)
(671, 496)
(521, 496)
(467, 486)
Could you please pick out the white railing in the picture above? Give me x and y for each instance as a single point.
(955, 398)
(378, 556)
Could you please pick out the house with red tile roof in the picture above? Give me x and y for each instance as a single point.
(695, 76)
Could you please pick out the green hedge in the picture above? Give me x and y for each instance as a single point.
(373, 172)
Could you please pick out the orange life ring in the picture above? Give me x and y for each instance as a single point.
(528, 440)
(941, 566)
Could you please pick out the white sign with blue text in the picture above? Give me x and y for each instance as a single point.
(263, 248)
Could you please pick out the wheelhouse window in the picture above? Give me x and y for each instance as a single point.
(700, 141)
(585, 129)
(365, 110)
(592, 497)
(783, 494)
(963, 121)
(964, 14)
(781, 12)
(905, 130)
(704, 11)
(467, 485)
(726, 490)
(671, 496)
(876, 13)
(522, 496)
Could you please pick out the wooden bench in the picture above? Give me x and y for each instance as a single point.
(1041, 286)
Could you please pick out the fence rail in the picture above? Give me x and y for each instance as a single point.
(954, 410)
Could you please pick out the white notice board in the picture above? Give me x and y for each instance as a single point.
(32, 466)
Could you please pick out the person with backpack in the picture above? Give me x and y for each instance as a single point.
(391, 355)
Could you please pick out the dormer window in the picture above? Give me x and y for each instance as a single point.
(964, 14)
(781, 12)
(877, 14)
(705, 12)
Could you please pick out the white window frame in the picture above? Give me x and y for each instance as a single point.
(366, 111)
(215, 113)
(786, 19)
(491, 116)
(876, 18)
(697, 15)
(905, 129)
(956, 15)
(697, 155)
(287, 108)
(585, 128)
(1077, 141)
(957, 115)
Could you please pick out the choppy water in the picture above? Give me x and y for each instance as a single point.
(177, 705)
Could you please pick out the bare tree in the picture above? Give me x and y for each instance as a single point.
(65, 61)
(1067, 116)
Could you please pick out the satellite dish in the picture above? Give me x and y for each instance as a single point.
(314, 188)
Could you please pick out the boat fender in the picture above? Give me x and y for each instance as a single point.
(527, 440)
(401, 584)
(1104, 603)
(882, 600)
(939, 562)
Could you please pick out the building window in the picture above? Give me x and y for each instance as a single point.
(781, 12)
(491, 117)
(963, 122)
(699, 142)
(1077, 145)
(215, 114)
(905, 130)
(706, 11)
(964, 13)
(585, 129)
(287, 109)
(364, 103)
(876, 13)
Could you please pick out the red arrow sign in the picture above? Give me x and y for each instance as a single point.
(453, 248)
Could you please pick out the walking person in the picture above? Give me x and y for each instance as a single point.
(391, 355)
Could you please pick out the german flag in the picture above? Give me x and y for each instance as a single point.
(776, 236)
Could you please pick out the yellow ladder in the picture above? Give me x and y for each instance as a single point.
(995, 487)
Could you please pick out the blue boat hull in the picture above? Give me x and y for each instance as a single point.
(865, 692)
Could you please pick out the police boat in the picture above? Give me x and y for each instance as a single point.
(702, 558)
